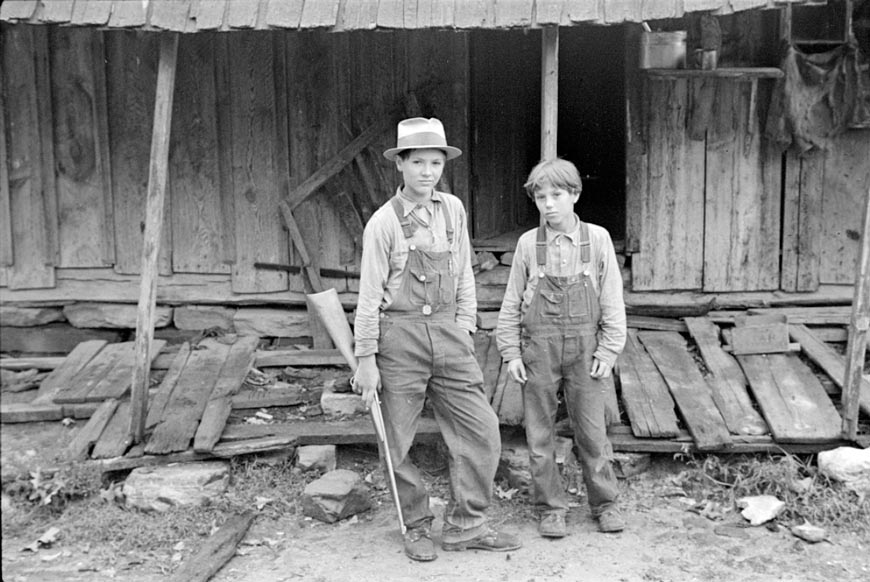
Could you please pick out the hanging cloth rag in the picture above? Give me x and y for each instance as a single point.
(820, 96)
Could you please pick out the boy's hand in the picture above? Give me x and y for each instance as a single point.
(517, 370)
(600, 369)
(367, 379)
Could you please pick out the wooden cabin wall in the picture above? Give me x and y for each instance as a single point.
(255, 114)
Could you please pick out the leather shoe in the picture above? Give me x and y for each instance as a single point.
(552, 525)
(490, 540)
(611, 521)
(418, 545)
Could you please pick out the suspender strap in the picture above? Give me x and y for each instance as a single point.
(585, 245)
(409, 227)
(541, 245)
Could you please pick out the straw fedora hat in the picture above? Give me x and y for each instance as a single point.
(420, 133)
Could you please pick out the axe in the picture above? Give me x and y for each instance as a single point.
(328, 308)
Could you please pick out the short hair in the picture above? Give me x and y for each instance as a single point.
(558, 173)
(405, 154)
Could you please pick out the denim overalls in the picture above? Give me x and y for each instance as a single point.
(422, 350)
(559, 336)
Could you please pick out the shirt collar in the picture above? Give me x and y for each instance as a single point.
(409, 205)
(573, 235)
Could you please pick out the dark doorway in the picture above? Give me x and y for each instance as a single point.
(505, 114)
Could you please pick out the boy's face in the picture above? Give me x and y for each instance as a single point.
(421, 170)
(556, 205)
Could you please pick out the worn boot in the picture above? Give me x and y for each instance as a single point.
(418, 544)
(552, 525)
(490, 540)
(611, 521)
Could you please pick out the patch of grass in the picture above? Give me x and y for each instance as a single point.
(808, 495)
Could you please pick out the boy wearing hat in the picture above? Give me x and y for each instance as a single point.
(562, 325)
(413, 326)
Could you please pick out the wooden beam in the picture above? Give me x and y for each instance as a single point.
(157, 180)
(860, 322)
(335, 164)
(216, 551)
(549, 92)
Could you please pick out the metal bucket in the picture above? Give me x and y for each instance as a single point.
(663, 50)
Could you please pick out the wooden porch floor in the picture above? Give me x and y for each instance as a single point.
(678, 388)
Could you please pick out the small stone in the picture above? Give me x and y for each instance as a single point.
(337, 495)
(810, 533)
(180, 484)
(316, 457)
(760, 509)
(629, 464)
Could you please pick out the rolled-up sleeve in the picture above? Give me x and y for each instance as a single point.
(507, 334)
(374, 272)
(466, 293)
(611, 339)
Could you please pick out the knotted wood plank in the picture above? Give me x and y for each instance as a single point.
(791, 398)
(688, 387)
(114, 439)
(157, 404)
(117, 382)
(232, 374)
(727, 382)
(80, 446)
(645, 395)
(181, 417)
(93, 373)
(62, 376)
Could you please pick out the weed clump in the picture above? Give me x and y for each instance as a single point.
(808, 495)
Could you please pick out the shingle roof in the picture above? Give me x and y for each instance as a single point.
(342, 15)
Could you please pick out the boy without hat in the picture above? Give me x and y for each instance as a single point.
(562, 325)
(414, 320)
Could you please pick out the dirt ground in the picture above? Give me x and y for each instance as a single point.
(665, 541)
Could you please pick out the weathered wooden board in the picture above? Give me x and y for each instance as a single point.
(43, 411)
(846, 176)
(233, 372)
(317, 432)
(827, 315)
(727, 382)
(645, 395)
(742, 198)
(115, 438)
(63, 375)
(91, 375)
(6, 254)
(131, 78)
(80, 445)
(181, 416)
(688, 387)
(258, 232)
(828, 360)
(30, 161)
(759, 339)
(198, 219)
(116, 383)
(671, 245)
(157, 404)
(792, 400)
(85, 234)
(217, 549)
(802, 221)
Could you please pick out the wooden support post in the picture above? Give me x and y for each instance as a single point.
(549, 92)
(157, 179)
(858, 326)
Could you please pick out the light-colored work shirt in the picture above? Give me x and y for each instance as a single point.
(564, 260)
(385, 253)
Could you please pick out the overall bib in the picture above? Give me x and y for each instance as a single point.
(559, 336)
(422, 350)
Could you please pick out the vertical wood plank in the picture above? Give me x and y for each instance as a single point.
(742, 206)
(258, 232)
(101, 117)
(131, 78)
(81, 174)
(158, 176)
(197, 212)
(812, 179)
(671, 246)
(6, 254)
(636, 170)
(847, 172)
(31, 198)
(549, 92)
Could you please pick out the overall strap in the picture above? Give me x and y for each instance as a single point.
(585, 244)
(448, 224)
(408, 227)
(541, 247)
